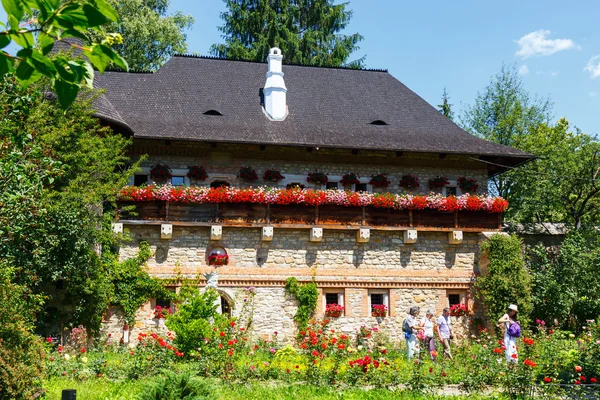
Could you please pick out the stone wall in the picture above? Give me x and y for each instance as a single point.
(224, 161)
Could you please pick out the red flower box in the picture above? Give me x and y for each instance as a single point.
(379, 181)
(218, 259)
(379, 310)
(334, 310)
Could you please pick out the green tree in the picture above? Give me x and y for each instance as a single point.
(505, 113)
(562, 184)
(566, 284)
(506, 280)
(446, 108)
(54, 21)
(150, 34)
(306, 31)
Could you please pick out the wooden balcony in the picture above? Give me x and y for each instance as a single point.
(302, 216)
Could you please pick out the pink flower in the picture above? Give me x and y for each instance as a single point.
(49, 339)
(252, 368)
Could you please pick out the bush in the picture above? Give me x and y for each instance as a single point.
(174, 386)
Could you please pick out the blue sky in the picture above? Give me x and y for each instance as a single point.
(459, 45)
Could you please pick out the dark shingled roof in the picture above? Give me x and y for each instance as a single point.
(328, 107)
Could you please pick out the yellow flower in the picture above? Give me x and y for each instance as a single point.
(84, 359)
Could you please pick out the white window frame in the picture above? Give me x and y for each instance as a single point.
(339, 292)
(454, 184)
(386, 298)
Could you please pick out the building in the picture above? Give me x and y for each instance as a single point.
(363, 250)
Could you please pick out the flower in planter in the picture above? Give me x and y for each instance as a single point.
(162, 312)
(272, 175)
(334, 310)
(218, 259)
(248, 174)
(467, 185)
(160, 172)
(317, 177)
(379, 181)
(458, 310)
(197, 172)
(409, 182)
(379, 310)
(438, 182)
(349, 179)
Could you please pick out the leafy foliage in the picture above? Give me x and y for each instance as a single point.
(308, 32)
(55, 21)
(131, 284)
(566, 285)
(446, 108)
(173, 386)
(150, 35)
(307, 295)
(506, 281)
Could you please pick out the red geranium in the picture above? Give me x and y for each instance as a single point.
(379, 181)
(409, 182)
(547, 380)
(248, 174)
(383, 200)
(349, 179)
(467, 185)
(419, 202)
(334, 310)
(272, 175)
(218, 259)
(315, 197)
(438, 182)
(197, 172)
(317, 177)
(473, 203)
(160, 172)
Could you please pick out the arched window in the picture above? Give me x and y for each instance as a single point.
(225, 306)
(218, 184)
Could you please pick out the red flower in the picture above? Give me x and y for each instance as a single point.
(547, 380)
(514, 355)
(232, 324)
(498, 351)
(315, 353)
(419, 202)
(582, 378)
(341, 346)
(593, 380)
(530, 363)
(577, 383)
(578, 368)
(49, 339)
(444, 374)
(82, 350)
(221, 334)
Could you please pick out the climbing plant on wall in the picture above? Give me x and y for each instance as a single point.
(307, 296)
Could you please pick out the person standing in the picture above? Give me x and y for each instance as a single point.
(444, 329)
(510, 342)
(428, 330)
(410, 328)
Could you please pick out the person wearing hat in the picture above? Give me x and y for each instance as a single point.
(428, 329)
(410, 327)
(510, 342)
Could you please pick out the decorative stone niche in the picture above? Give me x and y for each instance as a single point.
(455, 237)
(267, 233)
(216, 232)
(363, 235)
(316, 234)
(117, 227)
(166, 231)
(410, 236)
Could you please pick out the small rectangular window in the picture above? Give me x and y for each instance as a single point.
(332, 298)
(361, 187)
(451, 191)
(139, 180)
(177, 180)
(163, 303)
(377, 299)
(332, 185)
(453, 299)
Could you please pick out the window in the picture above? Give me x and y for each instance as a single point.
(218, 184)
(294, 185)
(361, 187)
(331, 185)
(225, 306)
(453, 299)
(378, 297)
(451, 190)
(139, 180)
(332, 298)
(177, 180)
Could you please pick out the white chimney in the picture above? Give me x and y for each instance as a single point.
(275, 90)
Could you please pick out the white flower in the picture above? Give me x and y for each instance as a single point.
(67, 357)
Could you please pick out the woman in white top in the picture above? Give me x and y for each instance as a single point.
(428, 330)
(510, 343)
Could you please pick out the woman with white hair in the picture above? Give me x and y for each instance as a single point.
(428, 332)
(410, 328)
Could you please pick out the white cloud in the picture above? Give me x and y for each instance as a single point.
(548, 74)
(523, 70)
(537, 44)
(593, 67)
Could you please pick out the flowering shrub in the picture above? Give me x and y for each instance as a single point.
(334, 310)
(379, 310)
(309, 197)
(160, 172)
(349, 179)
(317, 177)
(467, 185)
(409, 182)
(218, 259)
(379, 181)
(438, 182)
(248, 174)
(162, 312)
(458, 310)
(272, 175)
(197, 172)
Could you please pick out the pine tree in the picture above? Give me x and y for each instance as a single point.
(446, 108)
(306, 31)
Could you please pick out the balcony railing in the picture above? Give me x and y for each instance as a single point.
(330, 209)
